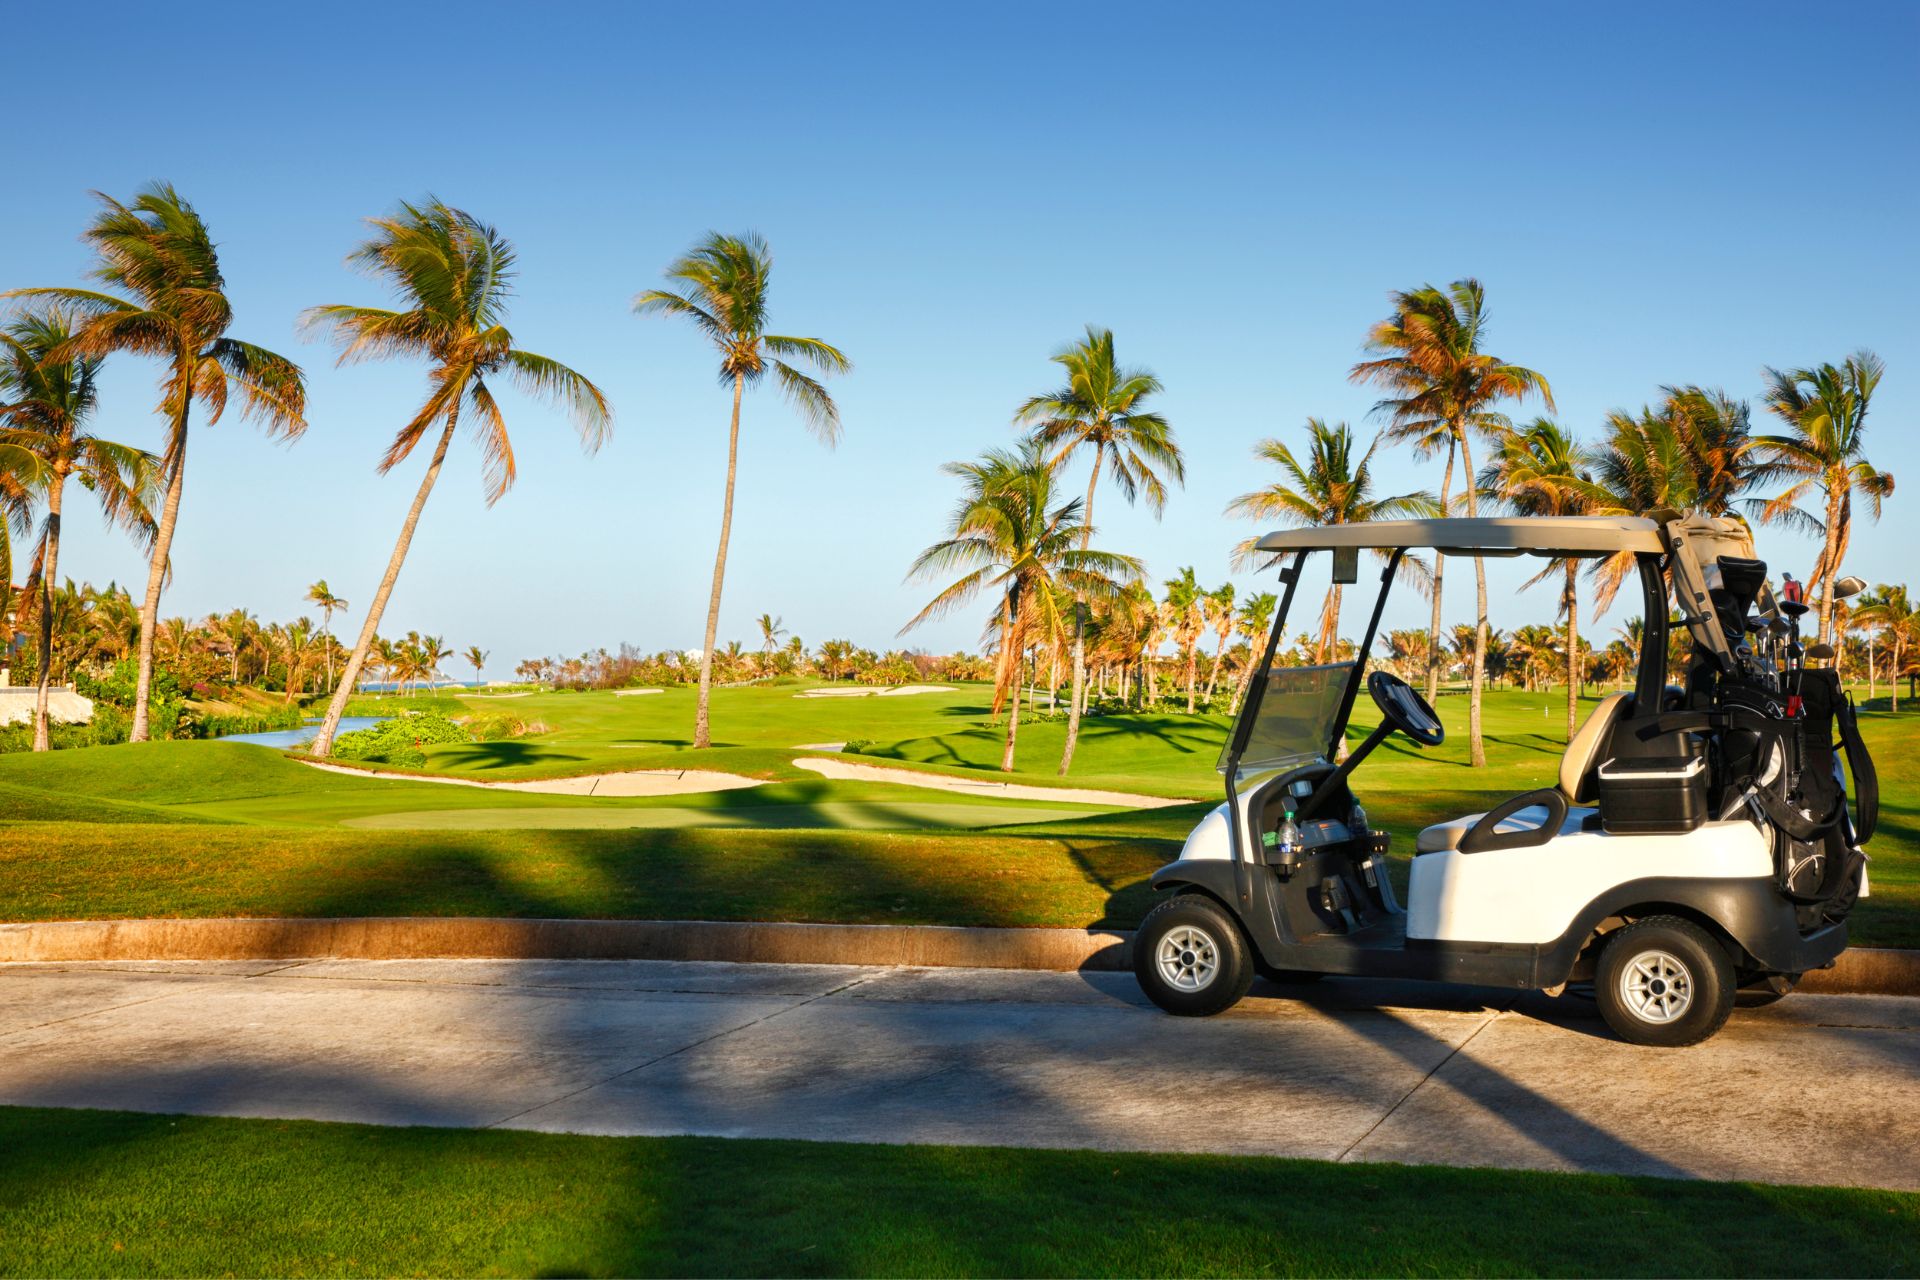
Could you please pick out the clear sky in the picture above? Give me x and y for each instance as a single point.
(1651, 194)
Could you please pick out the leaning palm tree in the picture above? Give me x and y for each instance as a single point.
(1331, 487)
(1543, 471)
(46, 402)
(477, 659)
(453, 275)
(1444, 389)
(158, 252)
(723, 292)
(1825, 413)
(321, 597)
(1102, 405)
(1010, 537)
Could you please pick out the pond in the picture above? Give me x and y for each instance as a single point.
(284, 738)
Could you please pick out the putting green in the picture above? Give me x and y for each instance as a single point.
(835, 814)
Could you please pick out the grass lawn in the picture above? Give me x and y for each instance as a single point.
(210, 828)
(110, 1193)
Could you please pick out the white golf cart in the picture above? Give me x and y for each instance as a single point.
(1698, 842)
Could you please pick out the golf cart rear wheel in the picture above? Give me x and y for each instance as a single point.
(1190, 957)
(1664, 981)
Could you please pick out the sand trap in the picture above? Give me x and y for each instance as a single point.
(820, 746)
(874, 691)
(635, 782)
(847, 771)
(635, 693)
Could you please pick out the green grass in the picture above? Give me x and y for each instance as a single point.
(109, 1193)
(224, 828)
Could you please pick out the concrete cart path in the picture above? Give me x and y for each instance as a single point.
(1817, 1089)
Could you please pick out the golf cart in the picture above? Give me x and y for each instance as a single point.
(1698, 841)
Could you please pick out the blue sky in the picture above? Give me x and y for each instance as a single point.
(1651, 194)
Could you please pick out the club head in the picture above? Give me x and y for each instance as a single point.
(1848, 586)
(1793, 608)
(1821, 652)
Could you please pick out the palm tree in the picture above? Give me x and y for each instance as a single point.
(1543, 471)
(46, 402)
(1256, 616)
(1330, 487)
(1825, 412)
(1444, 389)
(1219, 608)
(158, 250)
(1186, 619)
(1008, 536)
(1693, 453)
(476, 658)
(321, 597)
(770, 633)
(1102, 405)
(1893, 615)
(453, 274)
(725, 283)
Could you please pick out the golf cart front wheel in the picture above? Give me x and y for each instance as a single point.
(1664, 981)
(1190, 957)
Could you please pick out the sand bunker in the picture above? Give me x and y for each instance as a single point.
(848, 771)
(633, 782)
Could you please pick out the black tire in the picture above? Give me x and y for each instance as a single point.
(1665, 982)
(1208, 966)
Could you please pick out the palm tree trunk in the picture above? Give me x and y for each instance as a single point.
(1477, 747)
(157, 567)
(1193, 658)
(350, 674)
(1439, 561)
(1080, 623)
(1013, 720)
(49, 569)
(702, 732)
(1837, 513)
(1871, 693)
(1573, 653)
(1213, 675)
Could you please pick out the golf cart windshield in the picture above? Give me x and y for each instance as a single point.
(1294, 716)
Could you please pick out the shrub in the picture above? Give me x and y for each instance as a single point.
(498, 726)
(399, 741)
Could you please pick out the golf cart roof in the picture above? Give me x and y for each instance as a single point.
(1482, 535)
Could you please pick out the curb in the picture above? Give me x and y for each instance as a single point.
(1860, 971)
(434, 938)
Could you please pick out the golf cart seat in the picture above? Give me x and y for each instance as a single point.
(1539, 816)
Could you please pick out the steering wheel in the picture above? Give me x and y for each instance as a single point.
(1404, 709)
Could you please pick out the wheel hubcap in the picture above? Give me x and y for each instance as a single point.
(1656, 987)
(1188, 958)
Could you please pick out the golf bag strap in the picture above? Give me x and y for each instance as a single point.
(1866, 779)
